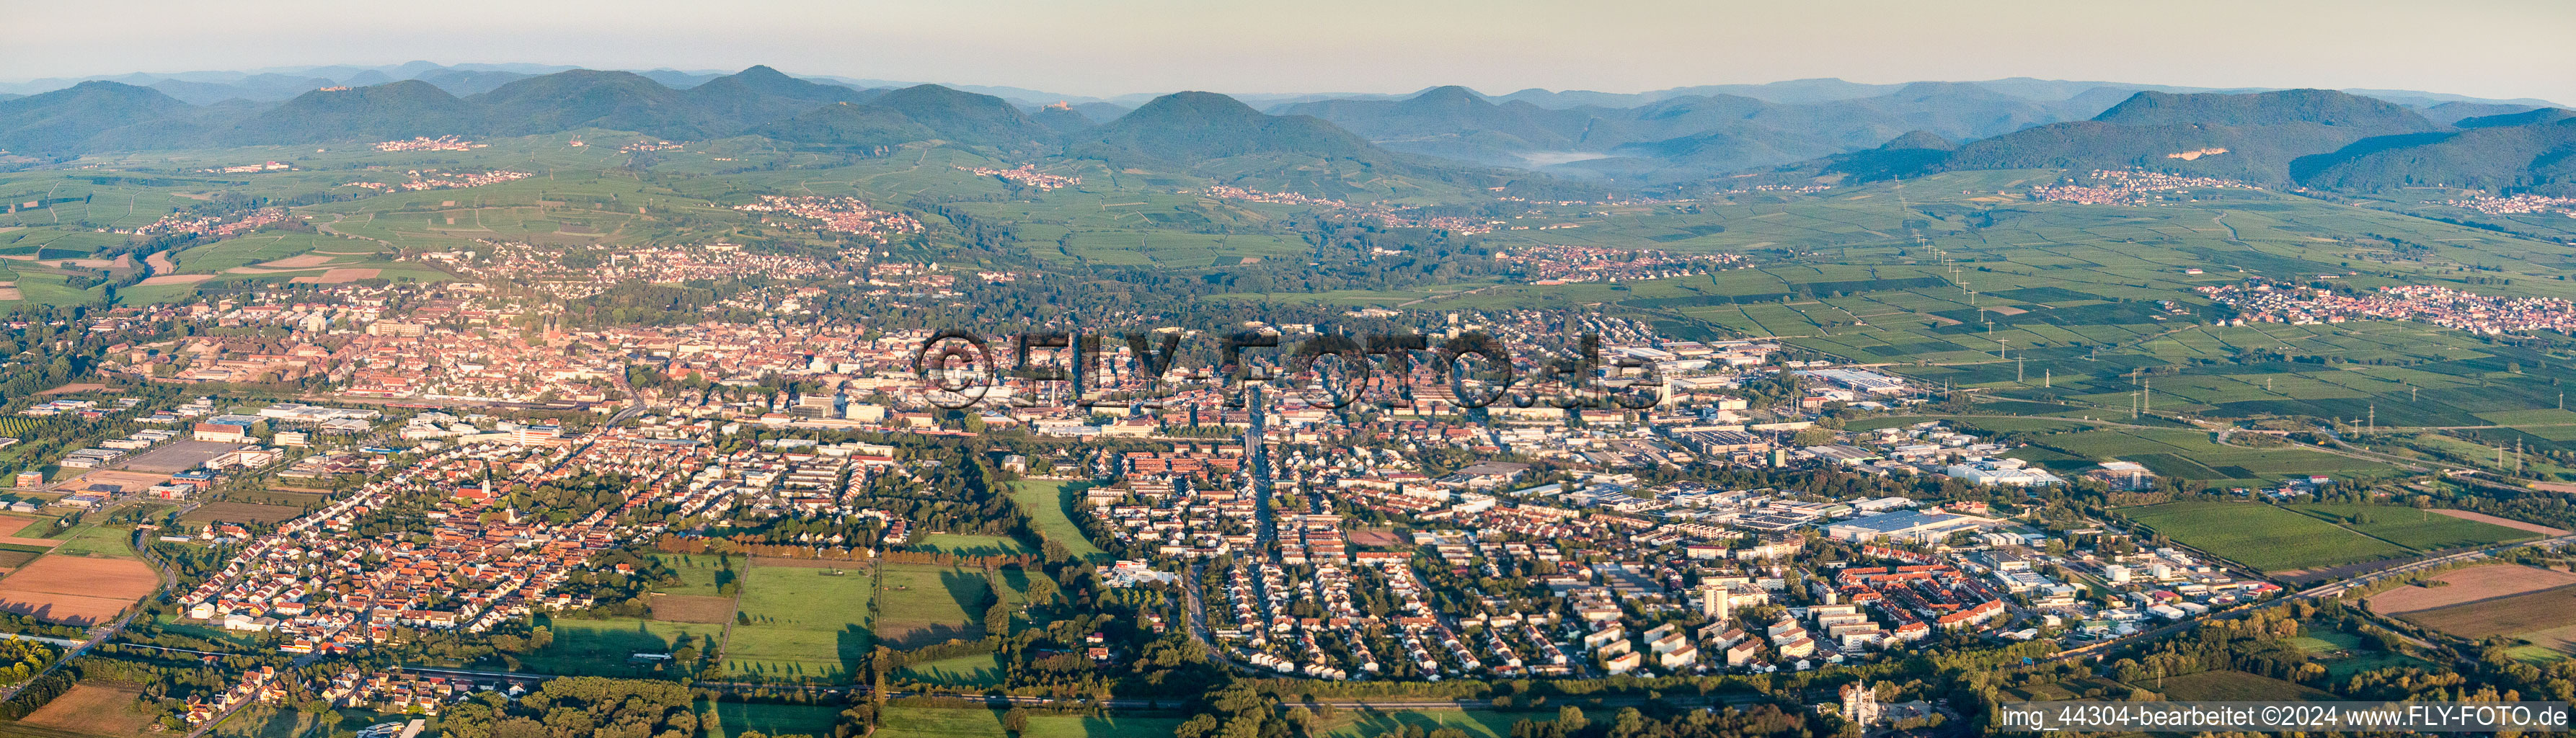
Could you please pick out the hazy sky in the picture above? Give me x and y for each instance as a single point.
(2500, 48)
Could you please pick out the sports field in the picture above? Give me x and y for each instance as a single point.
(803, 624)
(1047, 502)
(2262, 536)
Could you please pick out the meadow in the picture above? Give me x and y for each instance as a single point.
(731, 719)
(1474, 723)
(701, 575)
(1049, 502)
(921, 722)
(922, 604)
(973, 545)
(971, 672)
(804, 624)
(98, 540)
(606, 647)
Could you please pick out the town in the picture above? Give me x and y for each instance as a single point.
(2129, 187)
(2264, 302)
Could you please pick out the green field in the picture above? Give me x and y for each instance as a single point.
(806, 625)
(730, 719)
(1475, 723)
(2421, 530)
(984, 670)
(2262, 536)
(96, 540)
(974, 545)
(2194, 455)
(925, 604)
(1048, 503)
(919, 722)
(699, 574)
(2343, 655)
(605, 647)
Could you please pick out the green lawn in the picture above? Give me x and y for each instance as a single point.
(920, 722)
(2262, 536)
(805, 625)
(1048, 502)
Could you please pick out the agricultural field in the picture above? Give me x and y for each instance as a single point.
(922, 722)
(2470, 584)
(691, 608)
(2262, 536)
(2422, 530)
(2195, 455)
(102, 709)
(2232, 686)
(1049, 503)
(801, 624)
(76, 590)
(2546, 618)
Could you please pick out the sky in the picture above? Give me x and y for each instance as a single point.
(2490, 48)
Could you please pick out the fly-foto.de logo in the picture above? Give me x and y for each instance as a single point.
(961, 368)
